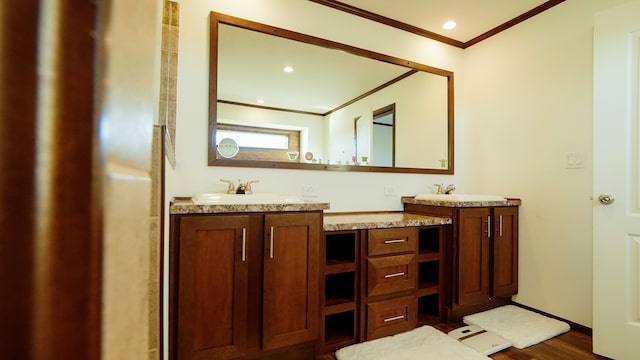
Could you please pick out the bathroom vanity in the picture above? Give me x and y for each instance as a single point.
(382, 274)
(244, 280)
(484, 252)
(284, 280)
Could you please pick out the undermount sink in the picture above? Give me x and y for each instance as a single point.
(245, 199)
(460, 197)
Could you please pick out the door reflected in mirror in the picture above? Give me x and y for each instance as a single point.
(337, 107)
(382, 144)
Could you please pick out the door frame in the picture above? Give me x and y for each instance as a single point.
(50, 188)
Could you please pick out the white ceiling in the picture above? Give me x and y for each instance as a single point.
(474, 17)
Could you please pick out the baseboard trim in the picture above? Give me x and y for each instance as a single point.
(574, 326)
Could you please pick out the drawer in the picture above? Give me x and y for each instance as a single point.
(391, 241)
(389, 274)
(390, 317)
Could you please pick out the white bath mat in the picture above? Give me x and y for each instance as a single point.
(424, 342)
(521, 327)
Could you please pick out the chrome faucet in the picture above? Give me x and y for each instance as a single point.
(241, 188)
(445, 190)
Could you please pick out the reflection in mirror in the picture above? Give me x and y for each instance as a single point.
(327, 108)
(383, 134)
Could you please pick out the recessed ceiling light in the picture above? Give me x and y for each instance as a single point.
(288, 69)
(449, 25)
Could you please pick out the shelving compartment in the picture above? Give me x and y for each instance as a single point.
(339, 330)
(429, 243)
(428, 277)
(429, 309)
(430, 257)
(340, 248)
(339, 288)
(340, 313)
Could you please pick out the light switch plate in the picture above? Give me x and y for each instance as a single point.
(575, 160)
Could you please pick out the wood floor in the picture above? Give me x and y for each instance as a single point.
(572, 345)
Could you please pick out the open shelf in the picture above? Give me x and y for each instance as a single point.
(340, 274)
(340, 248)
(430, 259)
(339, 288)
(340, 328)
(429, 309)
(429, 275)
(429, 241)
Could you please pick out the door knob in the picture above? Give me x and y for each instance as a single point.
(606, 199)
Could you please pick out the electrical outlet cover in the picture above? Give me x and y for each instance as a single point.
(310, 190)
(390, 190)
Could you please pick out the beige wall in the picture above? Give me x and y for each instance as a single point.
(528, 101)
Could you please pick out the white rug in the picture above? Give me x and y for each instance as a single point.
(424, 342)
(521, 327)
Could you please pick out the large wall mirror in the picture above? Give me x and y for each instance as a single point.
(282, 99)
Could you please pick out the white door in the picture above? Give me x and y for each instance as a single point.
(616, 233)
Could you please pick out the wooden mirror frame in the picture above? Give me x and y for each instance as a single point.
(217, 18)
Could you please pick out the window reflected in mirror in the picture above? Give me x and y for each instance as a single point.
(257, 143)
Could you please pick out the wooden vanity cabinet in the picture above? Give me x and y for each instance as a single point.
(389, 282)
(432, 273)
(244, 285)
(485, 255)
(340, 289)
(212, 266)
(380, 281)
(484, 252)
(291, 279)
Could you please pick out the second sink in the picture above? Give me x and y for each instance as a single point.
(460, 197)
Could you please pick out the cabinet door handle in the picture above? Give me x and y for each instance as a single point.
(395, 241)
(244, 244)
(271, 245)
(500, 218)
(394, 318)
(489, 226)
(393, 275)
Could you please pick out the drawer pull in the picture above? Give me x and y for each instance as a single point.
(393, 275)
(394, 318)
(489, 226)
(395, 241)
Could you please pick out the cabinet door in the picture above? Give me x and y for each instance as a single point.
(291, 279)
(212, 295)
(471, 284)
(505, 251)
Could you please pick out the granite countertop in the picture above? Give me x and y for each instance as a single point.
(507, 202)
(184, 205)
(336, 222)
